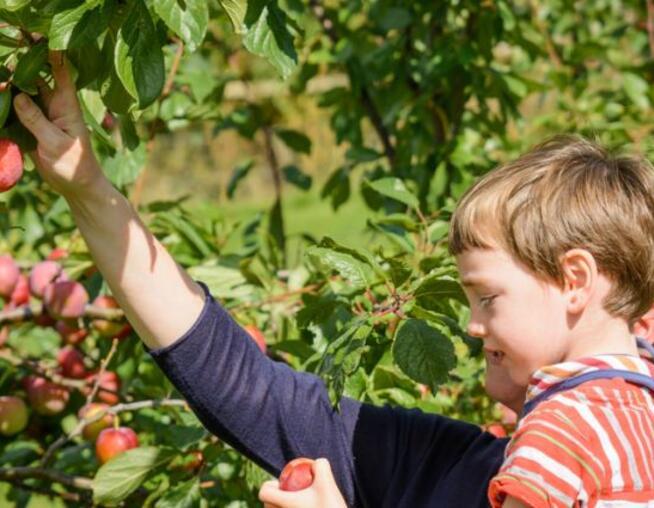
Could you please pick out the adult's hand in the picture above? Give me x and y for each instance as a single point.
(63, 156)
(323, 492)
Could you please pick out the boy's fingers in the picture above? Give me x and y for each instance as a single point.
(33, 119)
(322, 471)
(59, 69)
(271, 494)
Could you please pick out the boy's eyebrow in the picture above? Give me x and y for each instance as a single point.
(473, 282)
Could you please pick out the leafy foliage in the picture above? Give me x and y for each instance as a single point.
(432, 95)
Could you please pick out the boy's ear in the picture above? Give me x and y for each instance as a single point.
(580, 277)
(644, 327)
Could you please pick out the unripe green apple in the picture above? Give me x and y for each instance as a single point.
(13, 415)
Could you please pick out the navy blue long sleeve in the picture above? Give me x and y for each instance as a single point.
(381, 457)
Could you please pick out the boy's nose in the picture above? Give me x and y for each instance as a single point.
(476, 329)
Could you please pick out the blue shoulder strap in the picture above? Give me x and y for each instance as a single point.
(630, 377)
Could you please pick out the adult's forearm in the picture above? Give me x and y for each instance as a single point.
(158, 297)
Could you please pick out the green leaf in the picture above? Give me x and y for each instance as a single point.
(337, 187)
(265, 31)
(78, 25)
(236, 10)
(432, 290)
(636, 89)
(294, 175)
(5, 106)
(29, 67)
(394, 188)
(294, 140)
(122, 475)
(355, 272)
(188, 19)
(14, 5)
(240, 172)
(185, 495)
(423, 353)
(138, 57)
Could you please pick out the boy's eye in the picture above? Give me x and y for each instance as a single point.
(486, 301)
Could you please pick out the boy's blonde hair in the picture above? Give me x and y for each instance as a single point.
(566, 193)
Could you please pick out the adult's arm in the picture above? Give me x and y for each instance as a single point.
(158, 297)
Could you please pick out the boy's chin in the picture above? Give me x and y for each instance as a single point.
(500, 387)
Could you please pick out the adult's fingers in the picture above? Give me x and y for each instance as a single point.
(45, 92)
(33, 119)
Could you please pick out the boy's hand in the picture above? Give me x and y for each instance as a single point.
(63, 156)
(323, 492)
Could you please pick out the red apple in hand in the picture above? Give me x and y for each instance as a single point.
(296, 475)
(13, 415)
(112, 442)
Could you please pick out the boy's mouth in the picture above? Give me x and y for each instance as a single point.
(493, 356)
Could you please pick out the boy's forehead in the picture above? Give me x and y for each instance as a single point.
(481, 266)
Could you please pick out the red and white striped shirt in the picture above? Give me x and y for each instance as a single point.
(590, 446)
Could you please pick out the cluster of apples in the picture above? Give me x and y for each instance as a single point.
(64, 305)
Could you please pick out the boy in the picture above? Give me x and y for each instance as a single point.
(381, 457)
(556, 255)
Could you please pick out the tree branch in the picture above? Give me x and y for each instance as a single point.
(366, 97)
(22, 473)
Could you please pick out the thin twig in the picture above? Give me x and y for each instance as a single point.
(20, 473)
(366, 97)
(29, 312)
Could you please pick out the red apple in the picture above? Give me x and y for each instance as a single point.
(257, 335)
(109, 386)
(497, 429)
(65, 299)
(9, 275)
(21, 293)
(13, 415)
(45, 397)
(70, 333)
(57, 253)
(91, 430)
(43, 274)
(105, 327)
(114, 441)
(11, 164)
(296, 475)
(71, 363)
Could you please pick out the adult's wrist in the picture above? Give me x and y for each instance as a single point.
(84, 198)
